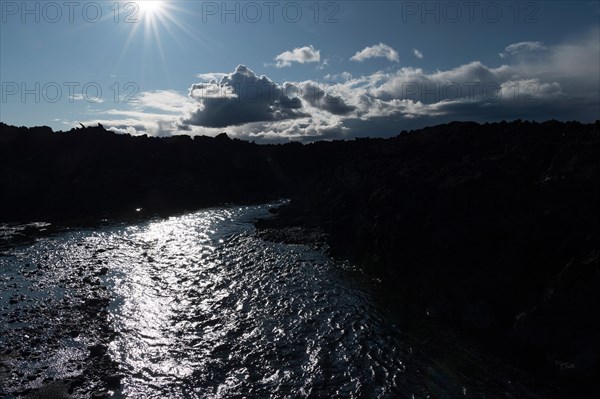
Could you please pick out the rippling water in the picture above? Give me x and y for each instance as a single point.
(200, 307)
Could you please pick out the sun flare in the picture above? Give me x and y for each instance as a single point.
(156, 21)
(150, 7)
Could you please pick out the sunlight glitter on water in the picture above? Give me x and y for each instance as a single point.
(201, 307)
(198, 295)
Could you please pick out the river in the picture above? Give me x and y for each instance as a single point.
(198, 306)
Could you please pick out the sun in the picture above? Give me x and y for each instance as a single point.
(150, 7)
(154, 19)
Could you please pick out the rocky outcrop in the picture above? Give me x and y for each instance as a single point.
(493, 229)
(93, 173)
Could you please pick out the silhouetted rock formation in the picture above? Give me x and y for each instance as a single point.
(91, 172)
(492, 228)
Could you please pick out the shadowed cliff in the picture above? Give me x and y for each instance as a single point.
(494, 229)
(91, 172)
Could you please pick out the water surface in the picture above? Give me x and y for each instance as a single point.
(198, 306)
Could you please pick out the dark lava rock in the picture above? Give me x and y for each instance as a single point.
(113, 381)
(563, 323)
(75, 382)
(97, 350)
(492, 229)
(74, 333)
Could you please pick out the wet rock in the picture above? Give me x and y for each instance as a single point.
(74, 333)
(52, 390)
(562, 324)
(95, 303)
(23, 391)
(97, 350)
(75, 382)
(113, 381)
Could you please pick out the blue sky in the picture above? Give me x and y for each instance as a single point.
(341, 69)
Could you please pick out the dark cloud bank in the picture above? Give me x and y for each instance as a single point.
(243, 97)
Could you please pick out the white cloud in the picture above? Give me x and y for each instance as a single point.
(89, 99)
(241, 97)
(522, 47)
(560, 82)
(344, 76)
(154, 112)
(208, 77)
(323, 64)
(164, 100)
(301, 55)
(417, 53)
(379, 50)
